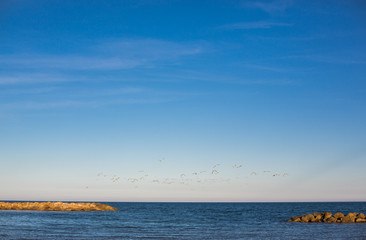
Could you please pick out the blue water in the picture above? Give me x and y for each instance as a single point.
(183, 221)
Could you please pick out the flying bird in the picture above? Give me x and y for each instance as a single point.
(214, 172)
(115, 178)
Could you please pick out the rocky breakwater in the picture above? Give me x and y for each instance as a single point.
(327, 217)
(56, 206)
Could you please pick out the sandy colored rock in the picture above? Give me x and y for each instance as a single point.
(331, 220)
(338, 215)
(352, 214)
(318, 214)
(307, 218)
(295, 219)
(316, 220)
(327, 217)
(56, 206)
(350, 218)
(318, 217)
(360, 220)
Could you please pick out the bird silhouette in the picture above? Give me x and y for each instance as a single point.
(236, 166)
(214, 172)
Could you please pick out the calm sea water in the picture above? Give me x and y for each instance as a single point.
(183, 221)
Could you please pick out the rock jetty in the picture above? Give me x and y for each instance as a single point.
(327, 217)
(56, 206)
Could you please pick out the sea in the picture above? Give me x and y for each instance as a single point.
(184, 221)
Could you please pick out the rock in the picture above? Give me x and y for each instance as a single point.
(350, 218)
(307, 218)
(327, 215)
(331, 220)
(316, 220)
(360, 220)
(318, 215)
(56, 206)
(338, 215)
(328, 218)
(295, 219)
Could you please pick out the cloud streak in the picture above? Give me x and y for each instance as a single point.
(254, 25)
(68, 62)
(326, 59)
(39, 77)
(39, 105)
(270, 7)
(106, 55)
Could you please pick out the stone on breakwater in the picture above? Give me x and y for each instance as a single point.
(56, 206)
(328, 218)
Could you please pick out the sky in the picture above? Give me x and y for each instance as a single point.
(213, 101)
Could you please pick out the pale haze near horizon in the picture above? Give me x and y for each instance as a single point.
(138, 101)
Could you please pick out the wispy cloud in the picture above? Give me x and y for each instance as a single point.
(40, 105)
(269, 6)
(222, 79)
(327, 59)
(151, 49)
(105, 55)
(255, 25)
(28, 91)
(38, 77)
(110, 92)
(67, 62)
(266, 68)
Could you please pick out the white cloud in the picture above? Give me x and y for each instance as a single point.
(33, 78)
(40, 105)
(270, 6)
(255, 25)
(105, 55)
(327, 59)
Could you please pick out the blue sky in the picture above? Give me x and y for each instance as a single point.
(152, 92)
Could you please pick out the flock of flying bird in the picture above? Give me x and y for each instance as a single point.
(185, 178)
